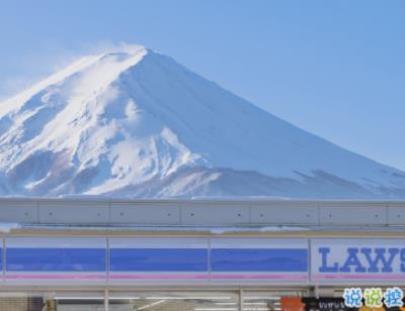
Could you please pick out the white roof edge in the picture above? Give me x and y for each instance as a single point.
(202, 200)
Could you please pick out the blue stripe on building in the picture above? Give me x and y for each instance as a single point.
(151, 259)
(56, 259)
(156, 260)
(255, 260)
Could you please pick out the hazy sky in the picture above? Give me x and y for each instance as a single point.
(335, 68)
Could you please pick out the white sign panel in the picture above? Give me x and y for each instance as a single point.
(357, 260)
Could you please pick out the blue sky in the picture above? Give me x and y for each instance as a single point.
(335, 68)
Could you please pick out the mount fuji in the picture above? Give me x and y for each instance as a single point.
(136, 124)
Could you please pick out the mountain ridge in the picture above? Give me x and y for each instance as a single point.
(135, 123)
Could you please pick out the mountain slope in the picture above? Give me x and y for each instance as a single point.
(135, 123)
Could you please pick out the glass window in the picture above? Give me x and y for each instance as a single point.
(79, 301)
(273, 301)
(51, 301)
(174, 301)
(11, 301)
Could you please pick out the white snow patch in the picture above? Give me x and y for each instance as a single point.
(7, 227)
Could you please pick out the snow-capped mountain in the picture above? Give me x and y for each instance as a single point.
(135, 123)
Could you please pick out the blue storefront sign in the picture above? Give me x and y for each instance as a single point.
(168, 259)
(145, 259)
(196, 259)
(260, 259)
(230, 260)
(72, 258)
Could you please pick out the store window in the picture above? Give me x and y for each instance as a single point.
(65, 301)
(16, 301)
(78, 302)
(246, 300)
(273, 301)
(174, 301)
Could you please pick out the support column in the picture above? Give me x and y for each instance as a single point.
(241, 300)
(106, 304)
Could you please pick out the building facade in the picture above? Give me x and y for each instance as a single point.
(199, 255)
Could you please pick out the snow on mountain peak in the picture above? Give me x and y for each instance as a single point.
(133, 122)
(82, 121)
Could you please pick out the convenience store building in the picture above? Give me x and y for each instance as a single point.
(196, 255)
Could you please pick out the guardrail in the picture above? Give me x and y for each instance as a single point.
(202, 212)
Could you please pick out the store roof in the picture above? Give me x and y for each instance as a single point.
(259, 215)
